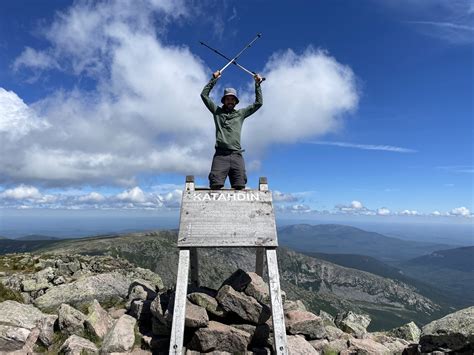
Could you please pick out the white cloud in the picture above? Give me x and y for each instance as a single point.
(388, 148)
(21, 192)
(355, 207)
(436, 213)
(93, 197)
(133, 195)
(16, 118)
(460, 211)
(410, 213)
(383, 211)
(306, 95)
(145, 114)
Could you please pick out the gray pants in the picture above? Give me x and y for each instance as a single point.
(227, 163)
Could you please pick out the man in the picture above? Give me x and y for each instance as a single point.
(228, 160)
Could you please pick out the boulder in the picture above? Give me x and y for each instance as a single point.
(121, 337)
(367, 346)
(353, 323)
(196, 316)
(333, 333)
(159, 306)
(258, 289)
(409, 332)
(141, 311)
(260, 334)
(207, 302)
(46, 327)
(238, 280)
(102, 287)
(76, 345)
(395, 345)
(293, 306)
(220, 337)
(152, 279)
(244, 306)
(98, 321)
(17, 322)
(297, 345)
(306, 323)
(336, 346)
(319, 345)
(140, 290)
(70, 320)
(454, 332)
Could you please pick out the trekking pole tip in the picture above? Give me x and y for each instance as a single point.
(259, 35)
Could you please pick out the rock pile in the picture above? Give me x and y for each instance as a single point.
(101, 305)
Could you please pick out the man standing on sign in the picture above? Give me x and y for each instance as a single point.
(228, 160)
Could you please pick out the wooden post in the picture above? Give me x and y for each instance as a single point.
(179, 312)
(279, 330)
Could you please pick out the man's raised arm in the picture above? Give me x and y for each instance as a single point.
(258, 98)
(207, 89)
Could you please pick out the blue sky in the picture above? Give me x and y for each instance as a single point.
(368, 105)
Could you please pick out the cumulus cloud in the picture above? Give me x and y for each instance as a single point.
(383, 211)
(135, 198)
(284, 197)
(410, 213)
(460, 211)
(354, 207)
(140, 117)
(21, 192)
(16, 118)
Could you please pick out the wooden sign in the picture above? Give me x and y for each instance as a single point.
(227, 218)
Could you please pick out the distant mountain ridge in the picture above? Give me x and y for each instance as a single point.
(341, 239)
(461, 259)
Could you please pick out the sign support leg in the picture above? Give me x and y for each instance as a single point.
(179, 312)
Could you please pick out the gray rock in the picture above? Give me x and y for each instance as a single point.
(367, 346)
(395, 345)
(121, 337)
(306, 323)
(220, 337)
(116, 313)
(238, 280)
(293, 306)
(46, 326)
(260, 334)
(102, 287)
(59, 280)
(327, 318)
(76, 345)
(154, 280)
(297, 345)
(196, 316)
(409, 332)
(141, 311)
(31, 285)
(353, 323)
(98, 321)
(258, 289)
(319, 344)
(244, 306)
(17, 322)
(13, 338)
(454, 332)
(137, 293)
(207, 302)
(333, 333)
(70, 320)
(336, 346)
(159, 306)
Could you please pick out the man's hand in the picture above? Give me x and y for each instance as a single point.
(216, 75)
(258, 78)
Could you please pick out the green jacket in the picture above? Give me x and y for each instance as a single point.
(229, 124)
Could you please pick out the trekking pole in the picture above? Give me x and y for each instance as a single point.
(234, 62)
(243, 50)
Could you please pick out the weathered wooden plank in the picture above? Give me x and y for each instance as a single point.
(277, 308)
(229, 218)
(177, 329)
(259, 261)
(194, 267)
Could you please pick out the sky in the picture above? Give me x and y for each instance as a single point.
(368, 105)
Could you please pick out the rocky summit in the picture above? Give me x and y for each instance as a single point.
(79, 304)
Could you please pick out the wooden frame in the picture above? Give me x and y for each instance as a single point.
(189, 240)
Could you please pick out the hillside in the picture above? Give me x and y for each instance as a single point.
(37, 237)
(20, 246)
(322, 285)
(450, 269)
(340, 239)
